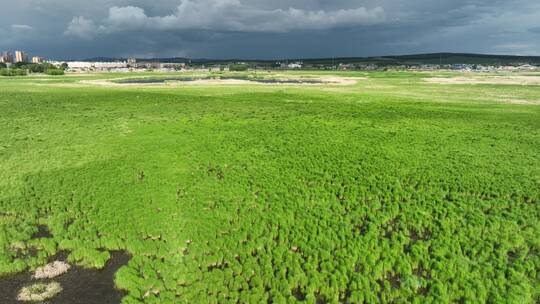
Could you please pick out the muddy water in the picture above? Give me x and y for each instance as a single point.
(43, 232)
(80, 286)
(188, 79)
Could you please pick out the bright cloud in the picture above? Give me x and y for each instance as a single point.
(81, 27)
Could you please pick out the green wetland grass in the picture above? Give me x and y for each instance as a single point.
(393, 190)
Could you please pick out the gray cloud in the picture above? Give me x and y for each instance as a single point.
(268, 29)
(232, 15)
(21, 27)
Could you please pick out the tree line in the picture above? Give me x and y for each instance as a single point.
(23, 68)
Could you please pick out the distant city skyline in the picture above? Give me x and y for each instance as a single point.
(257, 29)
(19, 56)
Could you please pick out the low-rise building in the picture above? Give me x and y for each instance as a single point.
(83, 66)
(173, 66)
(295, 65)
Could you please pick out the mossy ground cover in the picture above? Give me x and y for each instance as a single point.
(391, 190)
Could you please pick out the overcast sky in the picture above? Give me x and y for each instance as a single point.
(67, 29)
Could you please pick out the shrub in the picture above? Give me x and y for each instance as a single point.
(54, 72)
(239, 67)
(12, 72)
(35, 68)
(89, 258)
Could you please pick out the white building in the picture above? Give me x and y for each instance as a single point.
(295, 65)
(92, 66)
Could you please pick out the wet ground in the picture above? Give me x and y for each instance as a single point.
(80, 285)
(43, 232)
(188, 79)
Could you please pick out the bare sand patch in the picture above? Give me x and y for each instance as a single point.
(342, 80)
(51, 270)
(80, 74)
(39, 292)
(523, 101)
(510, 80)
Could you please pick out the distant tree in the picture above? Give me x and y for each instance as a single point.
(35, 68)
(64, 66)
(19, 65)
(3, 65)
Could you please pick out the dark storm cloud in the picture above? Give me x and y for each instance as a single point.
(268, 29)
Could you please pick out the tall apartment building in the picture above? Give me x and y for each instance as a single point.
(20, 56)
(37, 59)
(6, 57)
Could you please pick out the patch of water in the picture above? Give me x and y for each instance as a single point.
(80, 285)
(43, 232)
(189, 79)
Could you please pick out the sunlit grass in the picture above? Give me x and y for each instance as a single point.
(392, 189)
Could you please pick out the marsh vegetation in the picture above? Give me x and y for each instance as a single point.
(390, 190)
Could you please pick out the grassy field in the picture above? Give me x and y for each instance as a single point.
(393, 190)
